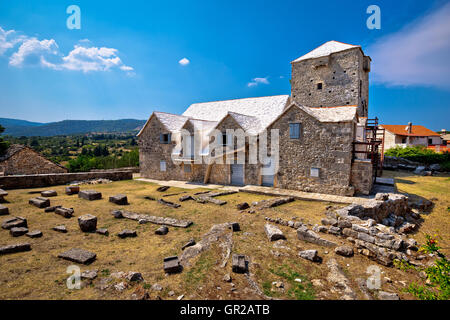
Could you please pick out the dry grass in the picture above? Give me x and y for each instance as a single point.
(435, 188)
(39, 274)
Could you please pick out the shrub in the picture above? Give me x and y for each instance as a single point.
(420, 154)
(438, 275)
(87, 161)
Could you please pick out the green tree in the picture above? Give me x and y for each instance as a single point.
(4, 145)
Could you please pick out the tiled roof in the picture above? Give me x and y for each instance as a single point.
(249, 124)
(326, 49)
(402, 130)
(265, 109)
(12, 150)
(172, 122)
(335, 114)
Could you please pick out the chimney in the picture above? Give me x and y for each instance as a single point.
(409, 127)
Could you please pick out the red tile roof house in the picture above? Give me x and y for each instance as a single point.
(318, 126)
(409, 135)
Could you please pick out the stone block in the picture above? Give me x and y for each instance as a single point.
(72, 190)
(4, 210)
(40, 202)
(14, 222)
(78, 255)
(329, 222)
(127, 234)
(334, 230)
(90, 195)
(238, 263)
(13, 248)
(243, 206)
(349, 232)
(310, 255)
(64, 212)
(34, 234)
(310, 236)
(18, 231)
(172, 265)
(49, 193)
(234, 226)
(273, 233)
(102, 231)
(61, 229)
(365, 237)
(120, 199)
(190, 243)
(51, 209)
(162, 230)
(345, 251)
(186, 198)
(87, 223)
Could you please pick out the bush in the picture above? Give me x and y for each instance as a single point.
(438, 275)
(86, 162)
(420, 154)
(4, 145)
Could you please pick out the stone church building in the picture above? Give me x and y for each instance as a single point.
(21, 160)
(326, 143)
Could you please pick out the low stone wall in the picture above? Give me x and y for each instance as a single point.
(362, 176)
(44, 180)
(132, 169)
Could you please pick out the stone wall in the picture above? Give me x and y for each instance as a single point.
(326, 146)
(362, 176)
(45, 180)
(28, 161)
(343, 76)
(151, 152)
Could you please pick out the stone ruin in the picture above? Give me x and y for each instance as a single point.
(377, 228)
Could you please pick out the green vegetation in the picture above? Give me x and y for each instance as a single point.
(296, 290)
(422, 155)
(437, 286)
(85, 152)
(3, 144)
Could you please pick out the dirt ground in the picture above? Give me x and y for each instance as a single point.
(40, 274)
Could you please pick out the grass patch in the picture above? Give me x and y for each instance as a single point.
(197, 273)
(296, 290)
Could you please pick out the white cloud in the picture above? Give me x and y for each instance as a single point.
(8, 39)
(93, 59)
(256, 81)
(184, 62)
(46, 54)
(35, 52)
(416, 55)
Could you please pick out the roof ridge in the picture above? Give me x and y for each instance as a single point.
(277, 95)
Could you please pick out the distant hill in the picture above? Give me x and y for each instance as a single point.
(68, 127)
(6, 122)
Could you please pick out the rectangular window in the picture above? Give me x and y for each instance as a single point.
(294, 130)
(430, 141)
(162, 166)
(315, 172)
(319, 86)
(403, 140)
(224, 139)
(165, 138)
(187, 168)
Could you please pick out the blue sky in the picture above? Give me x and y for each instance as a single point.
(124, 62)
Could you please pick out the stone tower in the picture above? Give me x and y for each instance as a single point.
(334, 74)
